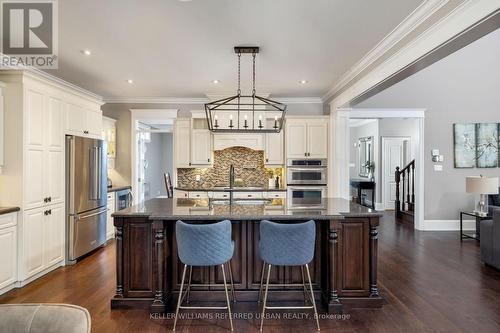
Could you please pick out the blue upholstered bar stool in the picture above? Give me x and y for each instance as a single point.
(283, 244)
(204, 245)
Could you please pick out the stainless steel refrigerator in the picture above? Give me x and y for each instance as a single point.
(86, 195)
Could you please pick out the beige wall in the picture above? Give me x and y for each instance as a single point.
(122, 173)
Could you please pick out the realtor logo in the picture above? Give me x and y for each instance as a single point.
(29, 34)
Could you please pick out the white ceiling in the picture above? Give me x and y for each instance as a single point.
(172, 48)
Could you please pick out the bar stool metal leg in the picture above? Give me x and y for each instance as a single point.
(180, 297)
(265, 297)
(227, 297)
(189, 283)
(304, 284)
(312, 296)
(231, 278)
(261, 281)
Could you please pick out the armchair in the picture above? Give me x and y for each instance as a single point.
(493, 202)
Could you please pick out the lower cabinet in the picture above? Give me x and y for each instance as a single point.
(8, 250)
(110, 228)
(41, 239)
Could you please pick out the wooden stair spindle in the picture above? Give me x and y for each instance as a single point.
(403, 197)
(413, 182)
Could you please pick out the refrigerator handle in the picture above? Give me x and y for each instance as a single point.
(98, 173)
(94, 173)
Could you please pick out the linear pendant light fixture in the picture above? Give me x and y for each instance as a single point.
(245, 113)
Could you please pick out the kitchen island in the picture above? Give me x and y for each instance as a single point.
(148, 272)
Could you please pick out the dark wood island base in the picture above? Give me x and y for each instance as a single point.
(148, 272)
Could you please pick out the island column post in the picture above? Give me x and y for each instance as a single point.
(334, 305)
(118, 222)
(160, 254)
(374, 222)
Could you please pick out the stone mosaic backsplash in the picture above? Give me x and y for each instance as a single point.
(248, 166)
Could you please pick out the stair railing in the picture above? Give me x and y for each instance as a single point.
(405, 183)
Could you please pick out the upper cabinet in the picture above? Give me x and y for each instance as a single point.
(192, 143)
(307, 137)
(83, 120)
(274, 152)
(182, 143)
(109, 135)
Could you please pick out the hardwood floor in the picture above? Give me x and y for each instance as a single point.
(431, 281)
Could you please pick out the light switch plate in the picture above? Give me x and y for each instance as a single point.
(438, 167)
(435, 152)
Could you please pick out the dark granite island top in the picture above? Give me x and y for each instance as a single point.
(242, 209)
(148, 271)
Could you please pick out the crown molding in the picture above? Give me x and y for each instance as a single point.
(410, 23)
(200, 100)
(39, 74)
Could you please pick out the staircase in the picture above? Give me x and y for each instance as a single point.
(405, 193)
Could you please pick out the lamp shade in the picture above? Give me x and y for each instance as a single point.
(481, 185)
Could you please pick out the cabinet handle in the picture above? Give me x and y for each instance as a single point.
(189, 163)
(208, 160)
(50, 211)
(49, 199)
(305, 154)
(45, 200)
(267, 160)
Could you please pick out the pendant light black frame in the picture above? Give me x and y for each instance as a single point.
(234, 104)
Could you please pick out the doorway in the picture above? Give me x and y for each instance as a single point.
(396, 152)
(379, 124)
(152, 152)
(154, 159)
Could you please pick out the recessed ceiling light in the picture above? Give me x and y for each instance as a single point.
(130, 81)
(87, 52)
(215, 81)
(303, 81)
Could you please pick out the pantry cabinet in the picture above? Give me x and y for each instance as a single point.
(307, 137)
(182, 143)
(43, 239)
(110, 228)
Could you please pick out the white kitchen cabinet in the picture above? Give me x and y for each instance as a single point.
(307, 138)
(38, 113)
(181, 194)
(247, 195)
(53, 235)
(44, 149)
(275, 195)
(198, 195)
(83, 121)
(220, 195)
(201, 147)
(109, 135)
(32, 245)
(8, 250)
(274, 151)
(296, 139)
(317, 138)
(182, 143)
(110, 228)
(43, 239)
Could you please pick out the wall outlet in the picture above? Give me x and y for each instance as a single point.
(438, 167)
(198, 178)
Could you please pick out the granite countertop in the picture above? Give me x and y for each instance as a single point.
(234, 189)
(275, 209)
(6, 210)
(118, 188)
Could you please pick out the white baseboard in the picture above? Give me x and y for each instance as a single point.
(20, 284)
(7, 288)
(379, 206)
(448, 225)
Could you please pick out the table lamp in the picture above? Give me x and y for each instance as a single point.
(482, 186)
